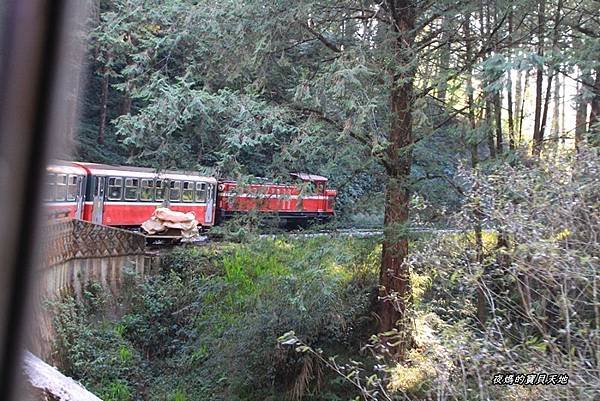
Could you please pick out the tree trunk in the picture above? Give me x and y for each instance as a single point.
(552, 74)
(537, 132)
(103, 104)
(509, 91)
(445, 53)
(523, 97)
(510, 105)
(473, 145)
(125, 103)
(489, 131)
(394, 278)
(498, 123)
(545, 111)
(581, 117)
(555, 125)
(594, 134)
(563, 103)
(518, 92)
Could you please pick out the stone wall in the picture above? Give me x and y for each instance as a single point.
(77, 253)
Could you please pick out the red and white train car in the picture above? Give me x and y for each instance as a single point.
(309, 200)
(127, 196)
(65, 189)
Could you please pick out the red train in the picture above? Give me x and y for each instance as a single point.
(127, 196)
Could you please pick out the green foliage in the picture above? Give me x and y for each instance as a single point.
(206, 328)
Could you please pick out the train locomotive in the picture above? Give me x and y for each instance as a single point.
(125, 197)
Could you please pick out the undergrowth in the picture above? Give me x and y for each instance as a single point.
(206, 327)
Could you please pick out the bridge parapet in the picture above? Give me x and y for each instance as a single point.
(75, 239)
(77, 253)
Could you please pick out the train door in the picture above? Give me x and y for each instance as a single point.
(80, 199)
(210, 202)
(320, 191)
(98, 198)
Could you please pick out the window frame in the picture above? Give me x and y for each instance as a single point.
(172, 187)
(202, 190)
(150, 189)
(50, 187)
(109, 186)
(64, 185)
(74, 186)
(190, 189)
(160, 188)
(129, 187)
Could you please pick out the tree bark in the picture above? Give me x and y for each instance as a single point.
(473, 145)
(445, 53)
(498, 123)
(489, 129)
(103, 103)
(518, 93)
(509, 91)
(522, 107)
(537, 132)
(594, 134)
(126, 103)
(545, 112)
(555, 125)
(511, 121)
(581, 114)
(394, 279)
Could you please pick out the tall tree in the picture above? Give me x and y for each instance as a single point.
(539, 80)
(595, 112)
(394, 278)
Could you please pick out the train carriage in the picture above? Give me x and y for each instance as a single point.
(308, 200)
(127, 196)
(65, 189)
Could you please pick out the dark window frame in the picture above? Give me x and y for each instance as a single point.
(72, 186)
(147, 190)
(172, 189)
(201, 188)
(50, 187)
(109, 186)
(127, 188)
(63, 185)
(189, 188)
(162, 189)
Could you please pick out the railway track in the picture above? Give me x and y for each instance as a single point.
(172, 240)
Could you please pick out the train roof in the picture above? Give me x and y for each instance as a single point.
(65, 167)
(142, 172)
(309, 177)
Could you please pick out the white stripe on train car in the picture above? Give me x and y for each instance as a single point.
(136, 203)
(275, 196)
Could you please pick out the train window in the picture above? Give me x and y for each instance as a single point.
(50, 182)
(200, 192)
(131, 188)
(175, 192)
(61, 187)
(72, 188)
(115, 188)
(187, 194)
(147, 190)
(160, 190)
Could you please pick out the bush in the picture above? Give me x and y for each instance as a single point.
(206, 327)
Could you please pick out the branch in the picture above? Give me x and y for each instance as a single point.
(319, 36)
